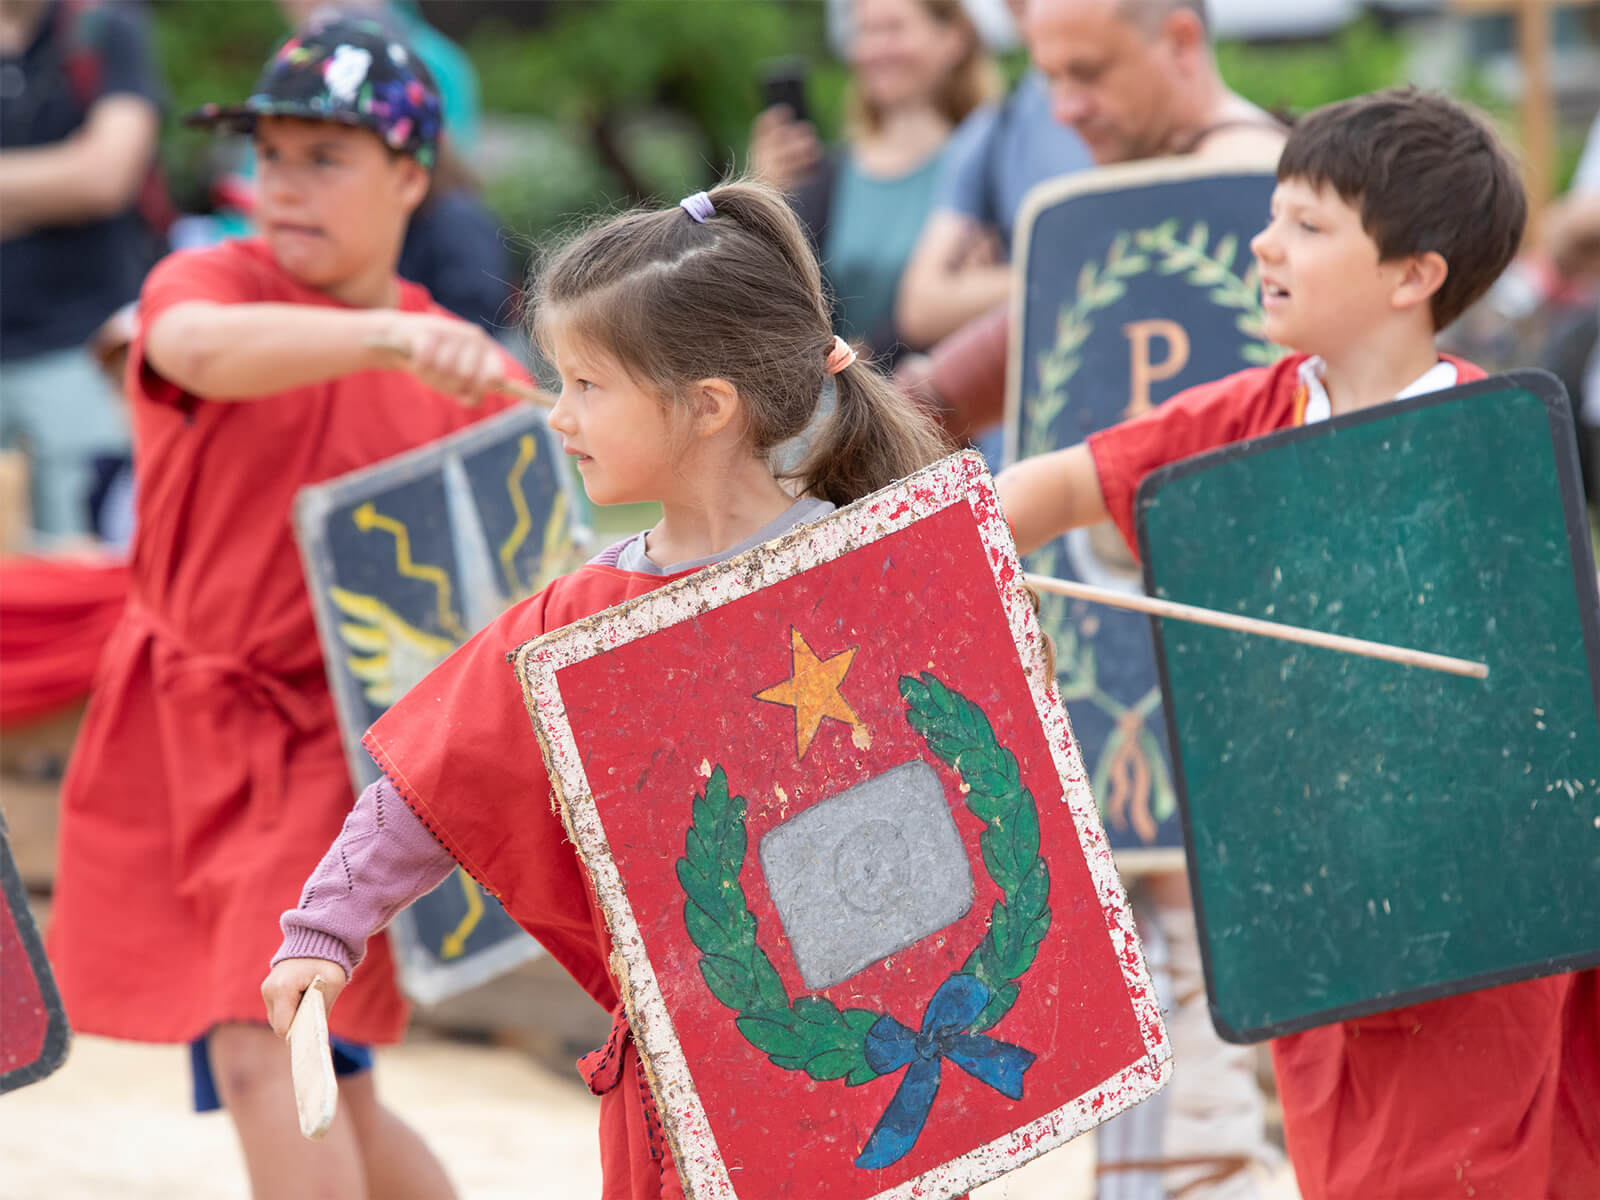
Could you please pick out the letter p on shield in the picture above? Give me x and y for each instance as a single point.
(1142, 372)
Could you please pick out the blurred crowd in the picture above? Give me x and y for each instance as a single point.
(913, 211)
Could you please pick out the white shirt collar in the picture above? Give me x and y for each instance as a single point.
(1319, 408)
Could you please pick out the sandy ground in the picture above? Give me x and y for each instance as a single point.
(114, 1122)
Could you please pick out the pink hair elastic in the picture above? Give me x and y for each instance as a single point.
(698, 206)
(840, 355)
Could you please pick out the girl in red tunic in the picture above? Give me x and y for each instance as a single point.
(208, 773)
(692, 343)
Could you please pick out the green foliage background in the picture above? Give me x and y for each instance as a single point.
(623, 99)
(1362, 57)
(617, 101)
(637, 98)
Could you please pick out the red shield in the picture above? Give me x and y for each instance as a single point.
(870, 935)
(33, 1027)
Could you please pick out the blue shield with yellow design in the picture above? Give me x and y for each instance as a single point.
(405, 560)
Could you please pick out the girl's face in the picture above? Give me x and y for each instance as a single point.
(333, 203)
(900, 54)
(621, 434)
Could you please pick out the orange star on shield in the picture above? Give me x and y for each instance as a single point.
(812, 689)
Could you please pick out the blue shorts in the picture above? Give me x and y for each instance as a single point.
(349, 1058)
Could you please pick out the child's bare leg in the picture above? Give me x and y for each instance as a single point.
(251, 1068)
(399, 1165)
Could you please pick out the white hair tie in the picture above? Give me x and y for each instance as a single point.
(840, 355)
(698, 206)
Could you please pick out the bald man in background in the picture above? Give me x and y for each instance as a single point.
(1137, 79)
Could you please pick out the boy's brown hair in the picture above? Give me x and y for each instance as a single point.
(738, 297)
(1427, 175)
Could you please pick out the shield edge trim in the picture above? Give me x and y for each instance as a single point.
(57, 1036)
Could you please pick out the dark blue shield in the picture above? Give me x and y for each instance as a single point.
(405, 560)
(1139, 283)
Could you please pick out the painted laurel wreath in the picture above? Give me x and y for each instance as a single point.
(811, 1033)
(1100, 285)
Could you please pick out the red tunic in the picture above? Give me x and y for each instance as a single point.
(1490, 1094)
(208, 777)
(461, 749)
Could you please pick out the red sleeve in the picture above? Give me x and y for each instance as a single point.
(1202, 418)
(464, 730)
(1466, 372)
(219, 275)
(460, 749)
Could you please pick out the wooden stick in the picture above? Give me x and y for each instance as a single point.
(1272, 629)
(316, 1090)
(515, 388)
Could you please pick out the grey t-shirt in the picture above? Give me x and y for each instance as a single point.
(1002, 151)
(630, 555)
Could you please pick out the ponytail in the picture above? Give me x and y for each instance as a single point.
(875, 435)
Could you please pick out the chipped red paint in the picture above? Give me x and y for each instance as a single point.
(939, 543)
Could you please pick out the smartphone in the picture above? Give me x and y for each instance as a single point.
(783, 81)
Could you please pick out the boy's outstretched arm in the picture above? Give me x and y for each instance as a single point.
(1043, 497)
(244, 351)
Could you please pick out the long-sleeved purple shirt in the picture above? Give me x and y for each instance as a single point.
(382, 860)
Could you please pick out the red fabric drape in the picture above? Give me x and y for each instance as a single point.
(55, 616)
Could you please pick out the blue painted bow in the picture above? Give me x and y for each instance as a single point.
(890, 1046)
